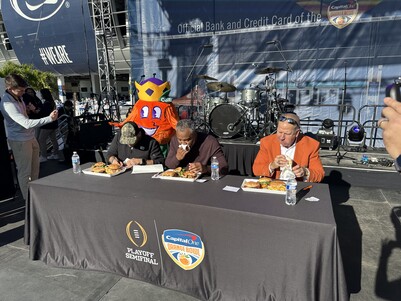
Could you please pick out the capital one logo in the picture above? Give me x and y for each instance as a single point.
(40, 11)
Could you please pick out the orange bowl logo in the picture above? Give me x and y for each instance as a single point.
(342, 13)
(186, 249)
(136, 234)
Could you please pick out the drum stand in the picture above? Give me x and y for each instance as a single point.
(251, 116)
(201, 121)
(272, 108)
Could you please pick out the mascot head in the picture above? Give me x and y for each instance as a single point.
(152, 89)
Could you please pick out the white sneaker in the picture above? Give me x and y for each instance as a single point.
(42, 159)
(53, 157)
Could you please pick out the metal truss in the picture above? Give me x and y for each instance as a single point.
(102, 23)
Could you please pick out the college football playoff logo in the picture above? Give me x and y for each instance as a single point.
(136, 234)
(41, 11)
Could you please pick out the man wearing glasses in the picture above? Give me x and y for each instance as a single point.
(288, 146)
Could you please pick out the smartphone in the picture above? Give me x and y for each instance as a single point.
(394, 90)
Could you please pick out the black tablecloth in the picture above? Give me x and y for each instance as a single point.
(239, 156)
(254, 247)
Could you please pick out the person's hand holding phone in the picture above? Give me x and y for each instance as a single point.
(390, 123)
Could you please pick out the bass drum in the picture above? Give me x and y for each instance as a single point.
(226, 120)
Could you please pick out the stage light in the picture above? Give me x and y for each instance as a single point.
(328, 123)
(356, 137)
(356, 133)
(326, 136)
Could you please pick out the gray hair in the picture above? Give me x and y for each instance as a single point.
(184, 124)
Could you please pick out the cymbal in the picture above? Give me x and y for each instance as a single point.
(204, 76)
(268, 70)
(221, 87)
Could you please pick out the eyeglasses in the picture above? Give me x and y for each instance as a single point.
(289, 120)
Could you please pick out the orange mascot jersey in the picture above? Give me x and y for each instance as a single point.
(151, 112)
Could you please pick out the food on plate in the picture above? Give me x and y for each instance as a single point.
(99, 164)
(112, 168)
(264, 182)
(251, 184)
(277, 185)
(98, 167)
(169, 173)
(180, 172)
(189, 174)
(178, 169)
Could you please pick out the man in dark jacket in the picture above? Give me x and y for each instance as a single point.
(131, 146)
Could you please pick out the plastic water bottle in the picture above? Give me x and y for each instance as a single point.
(76, 163)
(214, 169)
(291, 191)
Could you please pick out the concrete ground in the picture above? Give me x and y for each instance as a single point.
(367, 206)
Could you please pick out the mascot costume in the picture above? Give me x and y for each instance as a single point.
(154, 112)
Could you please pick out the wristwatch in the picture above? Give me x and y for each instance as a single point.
(397, 163)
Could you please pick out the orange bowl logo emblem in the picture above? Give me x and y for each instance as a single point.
(342, 13)
(136, 234)
(185, 248)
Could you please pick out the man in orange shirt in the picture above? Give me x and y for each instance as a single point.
(289, 145)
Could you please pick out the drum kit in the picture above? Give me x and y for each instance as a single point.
(253, 117)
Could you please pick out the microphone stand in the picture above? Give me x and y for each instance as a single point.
(289, 69)
(338, 154)
(192, 83)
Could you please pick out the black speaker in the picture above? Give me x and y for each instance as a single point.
(327, 139)
(93, 135)
(7, 186)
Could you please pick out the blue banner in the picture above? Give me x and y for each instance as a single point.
(52, 35)
(323, 52)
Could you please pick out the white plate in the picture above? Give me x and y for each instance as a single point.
(260, 190)
(88, 171)
(159, 176)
